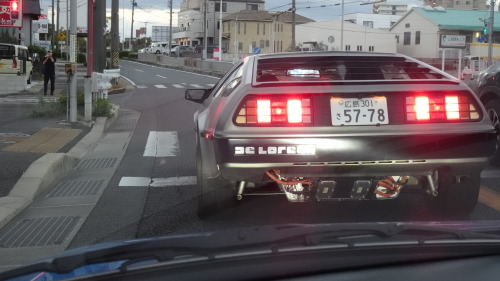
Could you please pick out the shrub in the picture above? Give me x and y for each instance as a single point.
(81, 58)
(124, 54)
(48, 109)
(132, 56)
(80, 100)
(101, 108)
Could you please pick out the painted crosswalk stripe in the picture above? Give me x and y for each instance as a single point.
(196, 85)
(141, 86)
(139, 70)
(162, 144)
(160, 86)
(157, 182)
(161, 76)
(177, 86)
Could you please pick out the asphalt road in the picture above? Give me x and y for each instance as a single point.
(127, 211)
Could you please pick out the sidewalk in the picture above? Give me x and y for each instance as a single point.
(35, 152)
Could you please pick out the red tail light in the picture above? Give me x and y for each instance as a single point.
(275, 111)
(14, 63)
(440, 108)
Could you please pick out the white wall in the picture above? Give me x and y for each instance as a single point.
(379, 21)
(354, 35)
(429, 36)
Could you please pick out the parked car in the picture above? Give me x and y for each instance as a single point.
(181, 51)
(488, 90)
(335, 126)
(160, 48)
(15, 59)
(210, 48)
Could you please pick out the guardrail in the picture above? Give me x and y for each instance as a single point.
(101, 82)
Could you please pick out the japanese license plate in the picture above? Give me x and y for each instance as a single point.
(354, 111)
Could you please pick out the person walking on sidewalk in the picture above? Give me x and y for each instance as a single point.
(49, 73)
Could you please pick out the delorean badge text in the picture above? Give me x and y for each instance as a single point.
(305, 149)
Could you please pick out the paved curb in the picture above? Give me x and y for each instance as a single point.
(48, 170)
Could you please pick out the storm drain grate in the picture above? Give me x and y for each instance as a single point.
(76, 188)
(38, 232)
(100, 163)
(126, 121)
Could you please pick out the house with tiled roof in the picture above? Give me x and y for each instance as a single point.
(246, 30)
(418, 32)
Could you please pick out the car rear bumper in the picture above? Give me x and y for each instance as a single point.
(249, 158)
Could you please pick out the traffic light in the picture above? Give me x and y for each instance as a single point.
(14, 10)
(485, 30)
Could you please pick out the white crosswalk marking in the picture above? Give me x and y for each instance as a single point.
(162, 144)
(178, 86)
(196, 85)
(161, 76)
(157, 182)
(141, 86)
(139, 70)
(160, 86)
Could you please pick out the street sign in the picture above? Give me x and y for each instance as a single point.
(11, 13)
(256, 50)
(61, 36)
(452, 41)
(481, 39)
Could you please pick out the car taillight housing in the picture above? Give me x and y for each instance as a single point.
(274, 111)
(14, 63)
(440, 108)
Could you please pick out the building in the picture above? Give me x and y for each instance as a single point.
(326, 35)
(372, 20)
(245, 30)
(395, 7)
(24, 35)
(141, 32)
(160, 33)
(190, 29)
(459, 4)
(419, 32)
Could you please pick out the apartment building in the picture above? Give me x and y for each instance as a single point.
(190, 29)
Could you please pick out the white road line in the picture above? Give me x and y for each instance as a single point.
(178, 86)
(157, 182)
(177, 70)
(139, 70)
(490, 174)
(160, 86)
(130, 81)
(141, 86)
(161, 76)
(162, 144)
(210, 85)
(196, 85)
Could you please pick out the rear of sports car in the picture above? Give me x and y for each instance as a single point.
(330, 127)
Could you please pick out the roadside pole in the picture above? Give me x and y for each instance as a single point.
(90, 57)
(74, 78)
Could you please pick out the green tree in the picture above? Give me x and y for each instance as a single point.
(141, 43)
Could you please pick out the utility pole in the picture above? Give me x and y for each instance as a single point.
(293, 25)
(220, 31)
(99, 48)
(67, 30)
(53, 27)
(490, 32)
(205, 29)
(132, 25)
(342, 28)
(170, 27)
(74, 76)
(57, 29)
(90, 59)
(115, 38)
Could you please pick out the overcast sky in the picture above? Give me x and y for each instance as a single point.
(155, 12)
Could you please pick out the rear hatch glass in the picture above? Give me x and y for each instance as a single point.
(7, 51)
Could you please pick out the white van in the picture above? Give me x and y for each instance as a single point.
(160, 48)
(15, 59)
